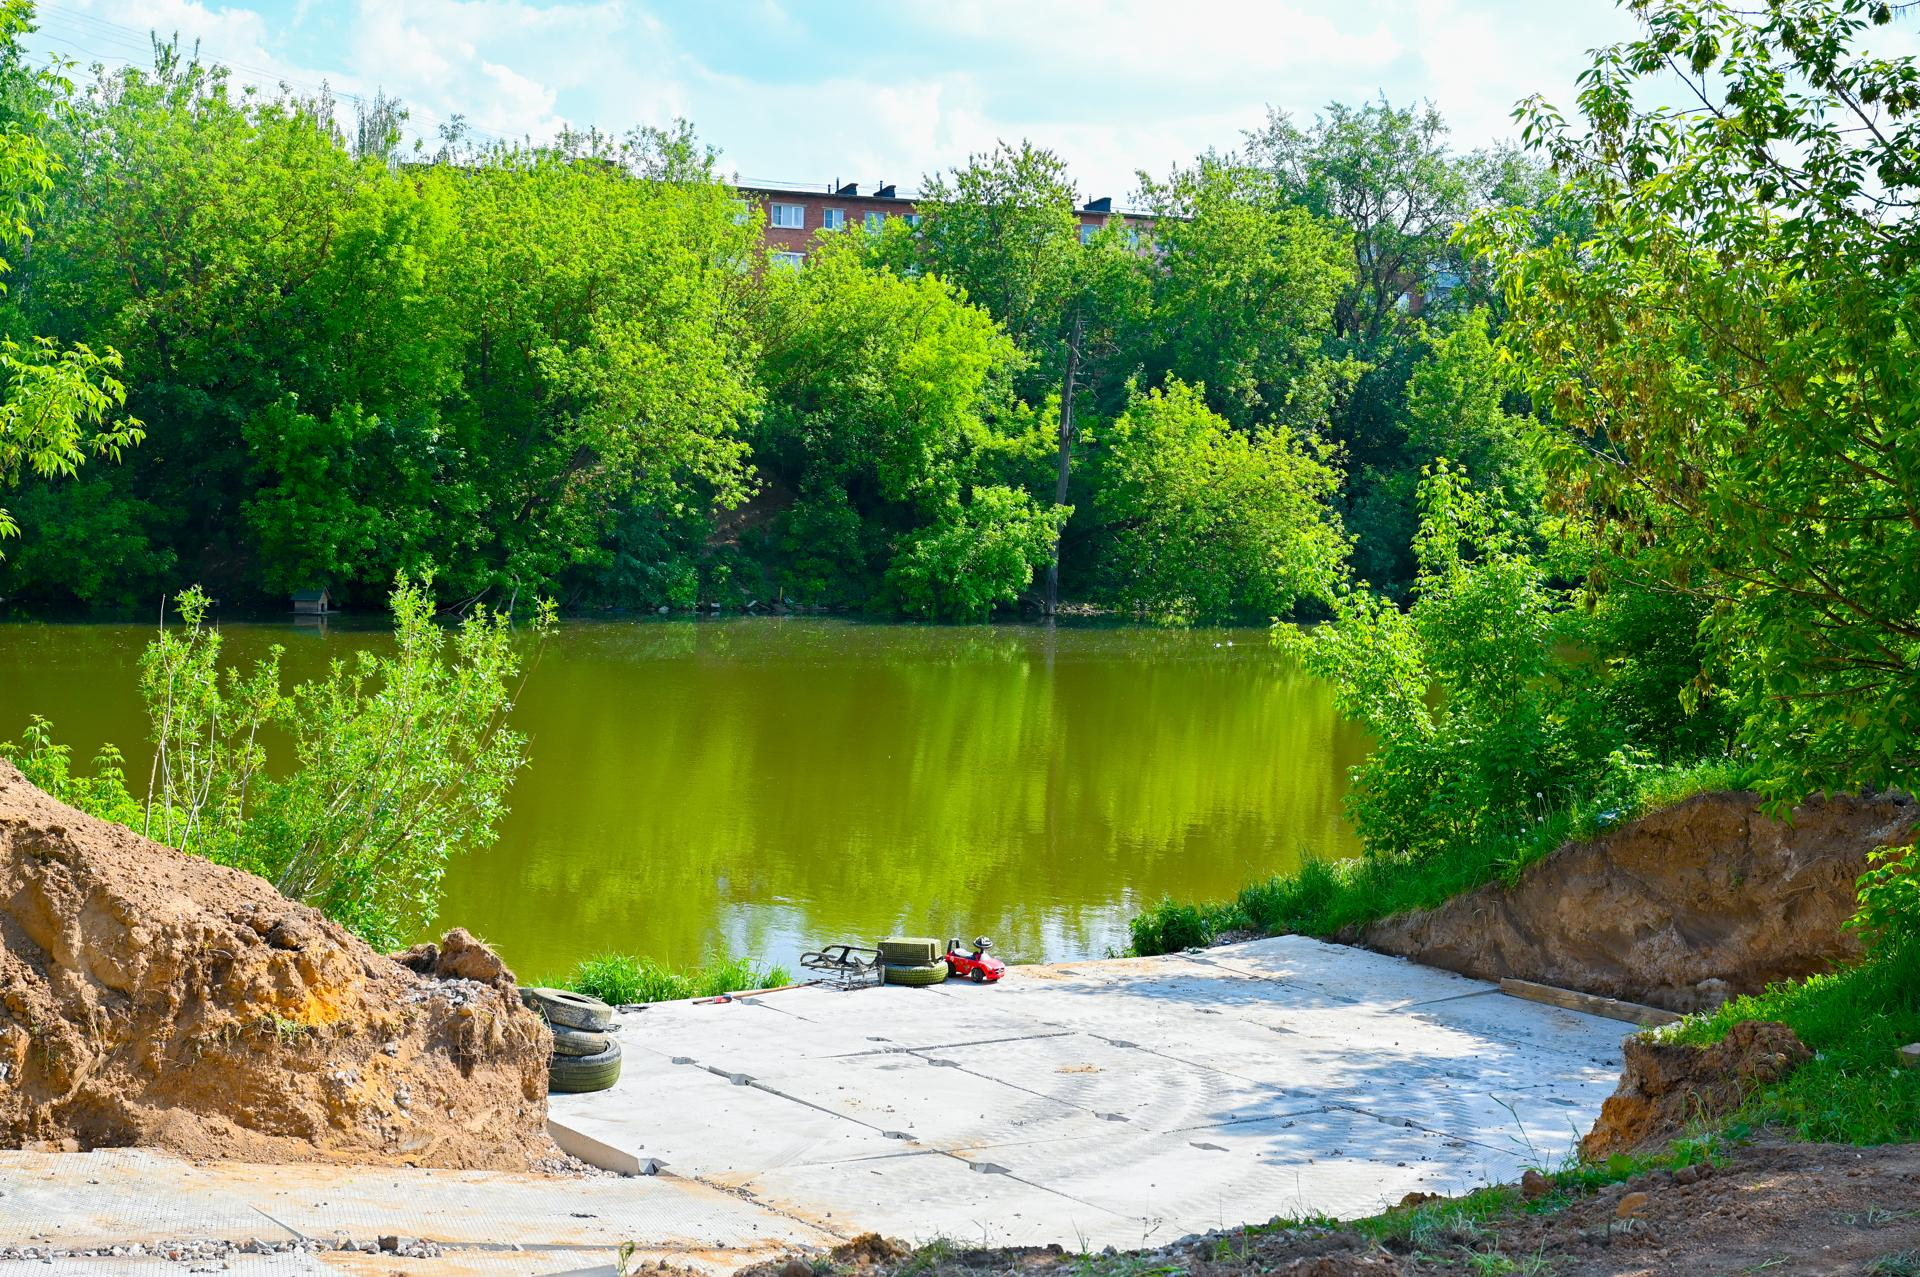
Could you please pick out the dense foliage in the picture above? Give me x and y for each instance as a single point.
(1200, 519)
(571, 369)
(890, 419)
(59, 404)
(1749, 414)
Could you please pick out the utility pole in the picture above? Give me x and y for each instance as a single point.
(1066, 461)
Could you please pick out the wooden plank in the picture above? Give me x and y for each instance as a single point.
(1592, 1004)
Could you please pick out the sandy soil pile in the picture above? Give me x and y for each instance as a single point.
(148, 997)
(1680, 909)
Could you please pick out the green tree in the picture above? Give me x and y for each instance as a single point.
(888, 415)
(1457, 408)
(58, 405)
(1204, 521)
(1732, 353)
(1244, 294)
(1388, 174)
(495, 365)
(606, 364)
(258, 278)
(1002, 228)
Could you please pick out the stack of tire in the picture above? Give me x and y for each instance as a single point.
(911, 960)
(585, 1056)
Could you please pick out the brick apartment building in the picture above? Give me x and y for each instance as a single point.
(795, 214)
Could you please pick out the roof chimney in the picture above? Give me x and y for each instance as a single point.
(884, 193)
(850, 189)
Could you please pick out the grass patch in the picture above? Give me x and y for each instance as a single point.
(1853, 1020)
(1322, 897)
(623, 978)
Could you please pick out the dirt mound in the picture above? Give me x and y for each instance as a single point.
(149, 997)
(1666, 1085)
(1680, 909)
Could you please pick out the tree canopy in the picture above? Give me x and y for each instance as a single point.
(1731, 351)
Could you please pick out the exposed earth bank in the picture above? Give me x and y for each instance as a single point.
(1791, 1210)
(149, 997)
(1680, 909)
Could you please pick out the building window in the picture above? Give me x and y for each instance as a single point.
(789, 260)
(791, 217)
(1087, 231)
(875, 220)
(913, 220)
(833, 219)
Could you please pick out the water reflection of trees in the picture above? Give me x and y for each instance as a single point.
(842, 779)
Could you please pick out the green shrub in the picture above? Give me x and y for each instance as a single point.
(1171, 927)
(396, 761)
(1478, 733)
(624, 978)
(975, 556)
(50, 766)
(1890, 899)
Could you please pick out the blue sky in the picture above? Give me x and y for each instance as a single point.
(868, 90)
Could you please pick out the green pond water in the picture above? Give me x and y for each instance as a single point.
(765, 785)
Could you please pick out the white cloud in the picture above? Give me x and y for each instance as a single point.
(1115, 86)
(1203, 41)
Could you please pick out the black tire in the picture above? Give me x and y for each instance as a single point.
(578, 1074)
(909, 951)
(977, 976)
(565, 1007)
(578, 1042)
(916, 975)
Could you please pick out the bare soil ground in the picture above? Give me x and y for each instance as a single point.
(149, 997)
(1770, 1208)
(1679, 909)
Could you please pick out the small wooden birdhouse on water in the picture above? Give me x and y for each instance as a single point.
(311, 602)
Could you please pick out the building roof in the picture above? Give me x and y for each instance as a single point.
(827, 190)
(890, 191)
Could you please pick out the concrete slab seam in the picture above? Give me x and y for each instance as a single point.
(1411, 1125)
(950, 1046)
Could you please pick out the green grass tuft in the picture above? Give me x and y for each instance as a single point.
(622, 978)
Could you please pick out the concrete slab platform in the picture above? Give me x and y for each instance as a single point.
(491, 1222)
(1110, 1102)
(920, 1197)
(1107, 1103)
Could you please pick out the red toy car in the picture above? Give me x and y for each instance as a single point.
(978, 966)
